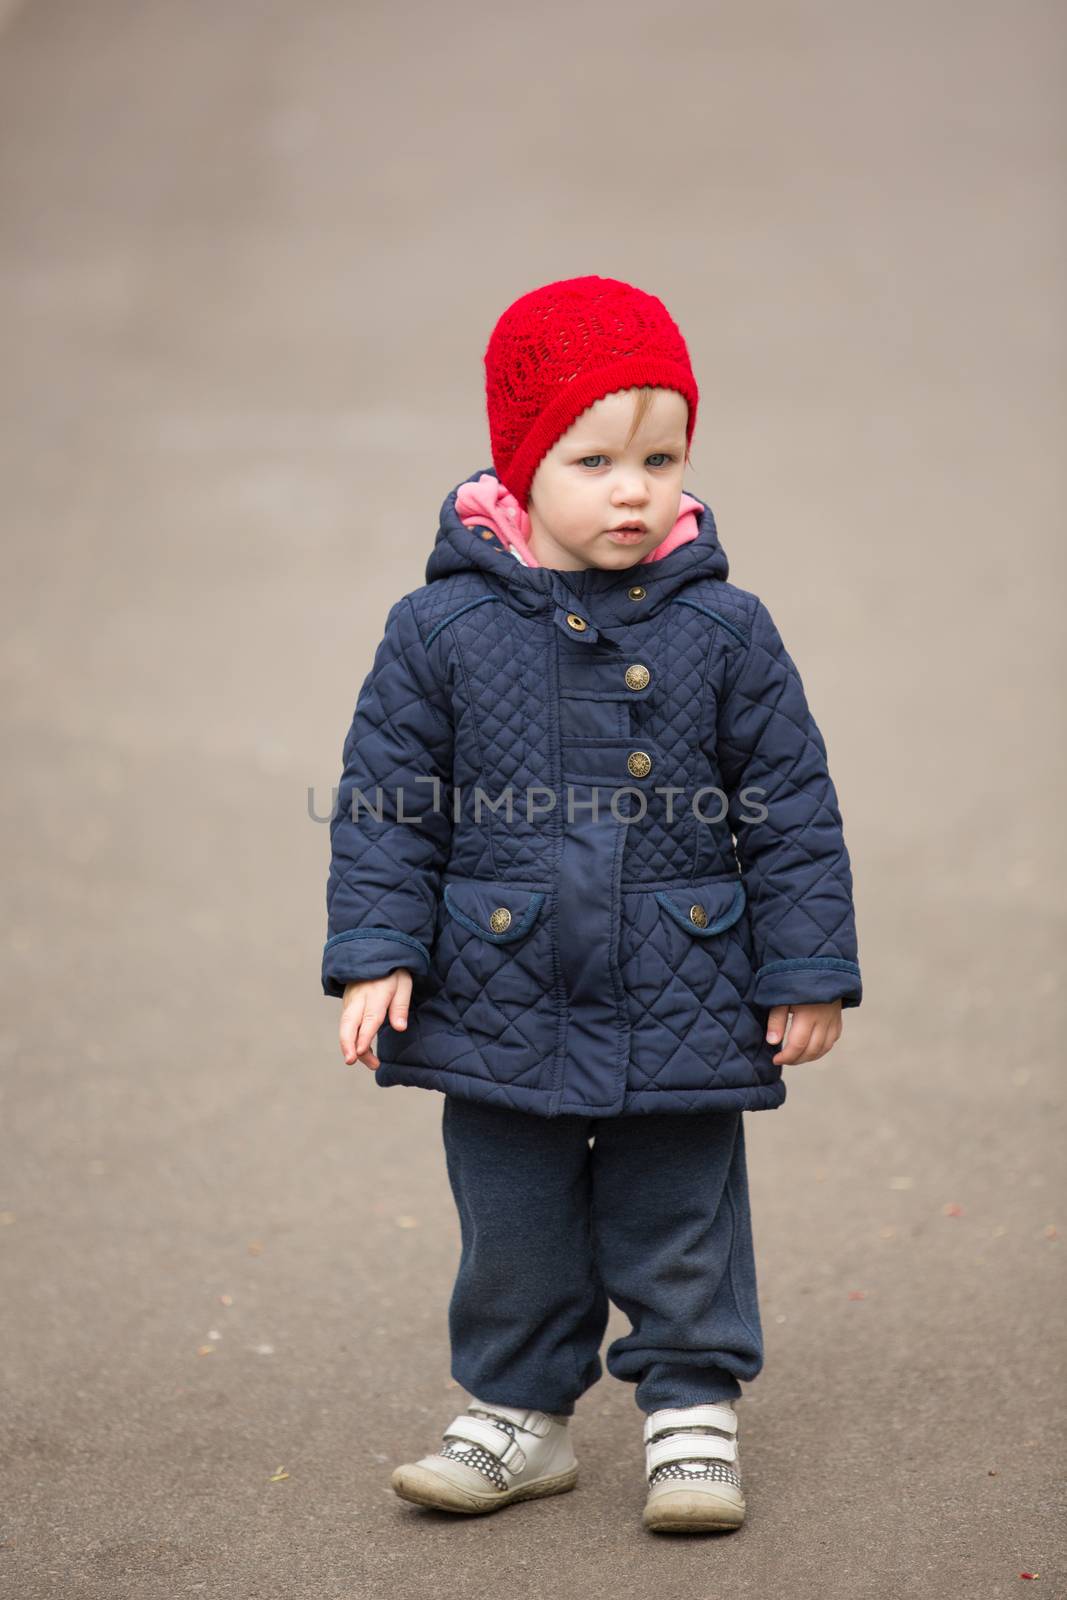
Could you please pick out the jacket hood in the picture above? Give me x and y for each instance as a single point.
(480, 547)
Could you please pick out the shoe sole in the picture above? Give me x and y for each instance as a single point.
(425, 1488)
(683, 1510)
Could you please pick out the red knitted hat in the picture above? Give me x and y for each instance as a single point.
(559, 349)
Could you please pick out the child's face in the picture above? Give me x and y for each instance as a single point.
(588, 483)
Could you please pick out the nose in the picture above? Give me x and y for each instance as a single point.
(631, 494)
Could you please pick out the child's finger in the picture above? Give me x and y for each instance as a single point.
(351, 1017)
(816, 1045)
(793, 1048)
(372, 1020)
(776, 1019)
(366, 1053)
(786, 1033)
(398, 1010)
(827, 1039)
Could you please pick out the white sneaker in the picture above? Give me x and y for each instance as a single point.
(693, 1469)
(492, 1455)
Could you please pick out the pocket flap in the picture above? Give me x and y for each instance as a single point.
(498, 912)
(705, 908)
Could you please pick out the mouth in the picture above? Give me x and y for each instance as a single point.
(628, 532)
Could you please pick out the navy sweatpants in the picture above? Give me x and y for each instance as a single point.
(653, 1215)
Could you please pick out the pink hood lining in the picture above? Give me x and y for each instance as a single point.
(486, 503)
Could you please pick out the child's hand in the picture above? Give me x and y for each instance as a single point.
(814, 1030)
(363, 1011)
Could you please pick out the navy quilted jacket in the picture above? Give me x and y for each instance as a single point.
(595, 822)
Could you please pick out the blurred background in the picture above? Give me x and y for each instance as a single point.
(251, 253)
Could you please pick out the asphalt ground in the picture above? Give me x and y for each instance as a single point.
(250, 257)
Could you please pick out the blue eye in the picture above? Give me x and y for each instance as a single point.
(665, 455)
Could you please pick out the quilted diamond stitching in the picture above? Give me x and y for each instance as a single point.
(800, 797)
(733, 712)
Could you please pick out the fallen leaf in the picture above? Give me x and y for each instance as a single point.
(278, 1474)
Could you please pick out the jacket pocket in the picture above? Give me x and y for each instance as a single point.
(701, 934)
(490, 1007)
(498, 912)
(707, 909)
(686, 959)
(688, 945)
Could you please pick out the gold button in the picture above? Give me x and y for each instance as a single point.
(579, 624)
(698, 915)
(636, 593)
(500, 919)
(639, 764)
(637, 676)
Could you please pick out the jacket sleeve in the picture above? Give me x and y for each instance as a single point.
(787, 829)
(390, 827)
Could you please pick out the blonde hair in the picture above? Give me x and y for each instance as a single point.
(642, 403)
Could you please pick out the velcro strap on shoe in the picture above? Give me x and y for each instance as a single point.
(535, 1422)
(689, 1447)
(475, 1430)
(710, 1415)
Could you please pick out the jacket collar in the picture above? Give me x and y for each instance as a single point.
(603, 597)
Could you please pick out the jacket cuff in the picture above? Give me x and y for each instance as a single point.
(361, 953)
(808, 980)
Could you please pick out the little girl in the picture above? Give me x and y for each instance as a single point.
(589, 882)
